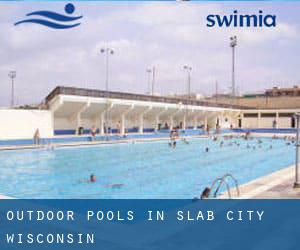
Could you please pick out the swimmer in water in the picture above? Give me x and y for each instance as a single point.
(207, 149)
(117, 185)
(248, 146)
(185, 141)
(92, 178)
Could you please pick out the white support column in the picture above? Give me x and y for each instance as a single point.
(156, 122)
(258, 119)
(171, 117)
(195, 121)
(141, 120)
(184, 122)
(171, 122)
(157, 118)
(100, 119)
(277, 120)
(78, 122)
(123, 119)
(141, 123)
(205, 123)
(77, 116)
(101, 127)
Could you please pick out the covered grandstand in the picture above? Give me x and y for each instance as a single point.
(75, 108)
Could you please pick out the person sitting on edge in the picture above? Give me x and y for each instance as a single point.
(93, 131)
(119, 128)
(205, 193)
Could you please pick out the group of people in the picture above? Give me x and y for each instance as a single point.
(106, 130)
(174, 135)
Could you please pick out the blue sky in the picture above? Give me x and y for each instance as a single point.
(167, 35)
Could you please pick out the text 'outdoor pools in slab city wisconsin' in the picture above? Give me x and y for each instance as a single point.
(140, 223)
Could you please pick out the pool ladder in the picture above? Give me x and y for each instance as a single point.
(220, 181)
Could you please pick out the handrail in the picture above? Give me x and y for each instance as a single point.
(220, 181)
(235, 182)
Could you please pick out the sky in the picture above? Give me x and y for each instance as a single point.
(144, 34)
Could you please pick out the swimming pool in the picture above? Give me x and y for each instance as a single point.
(147, 170)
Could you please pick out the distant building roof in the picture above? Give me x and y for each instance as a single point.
(60, 90)
(276, 91)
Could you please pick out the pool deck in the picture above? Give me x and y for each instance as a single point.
(5, 197)
(98, 142)
(130, 140)
(277, 185)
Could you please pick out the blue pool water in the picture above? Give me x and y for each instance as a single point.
(147, 170)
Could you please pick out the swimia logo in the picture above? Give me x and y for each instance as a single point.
(52, 19)
(242, 20)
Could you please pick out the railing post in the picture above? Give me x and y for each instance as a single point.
(297, 183)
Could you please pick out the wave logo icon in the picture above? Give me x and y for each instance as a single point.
(53, 20)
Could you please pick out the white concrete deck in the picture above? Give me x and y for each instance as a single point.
(277, 185)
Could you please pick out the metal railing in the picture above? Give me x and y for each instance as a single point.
(130, 96)
(220, 182)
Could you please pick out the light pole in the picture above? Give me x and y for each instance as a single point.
(188, 69)
(233, 44)
(149, 72)
(153, 72)
(153, 79)
(297, 181)
(12, 75)
(107, 51)
(217, 91)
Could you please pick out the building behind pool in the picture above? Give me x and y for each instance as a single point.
(71, 111)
